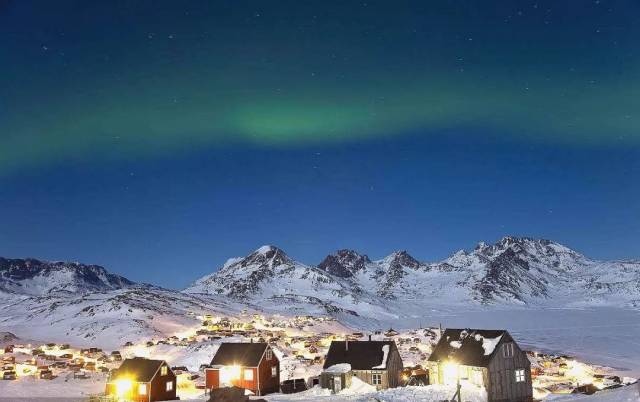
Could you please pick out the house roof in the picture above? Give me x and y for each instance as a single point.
(241, 354)
(469, 347)
(138, 369)
(361, 355)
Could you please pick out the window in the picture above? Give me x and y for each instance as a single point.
(169, 386)
(376, 379)
(164, 370)
(507, 349)
(520, 376)
(269, 354)
(274, 371)
(142, 389)
(248, 375)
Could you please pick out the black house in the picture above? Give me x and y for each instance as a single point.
(375, 362)
(486, 358)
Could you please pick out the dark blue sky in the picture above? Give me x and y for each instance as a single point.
(159, 139)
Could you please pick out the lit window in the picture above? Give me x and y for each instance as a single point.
(248, 375)
(376, 379)
(142, 389)
(520, 376)
(507, 350)
(274, 371)
(269, 354)
(164, 370)
(169, 386)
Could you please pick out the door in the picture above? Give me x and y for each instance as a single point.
(337, 384)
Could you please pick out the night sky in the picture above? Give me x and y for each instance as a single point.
(159, 138)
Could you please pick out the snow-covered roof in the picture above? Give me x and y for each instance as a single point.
(471, 347)
(361, 355)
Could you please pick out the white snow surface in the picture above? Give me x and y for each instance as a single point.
(339, 368)
(489, 344)
(385, 355)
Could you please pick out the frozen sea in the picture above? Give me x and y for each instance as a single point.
(606, 336)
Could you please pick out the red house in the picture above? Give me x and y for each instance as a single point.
(252, 366)
(142, 380)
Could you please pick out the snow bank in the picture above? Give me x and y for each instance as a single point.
(630, 393)
(338, 368)
(358, 387)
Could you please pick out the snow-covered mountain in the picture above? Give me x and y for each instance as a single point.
(514, 270)
(86, 304)
(34, 277)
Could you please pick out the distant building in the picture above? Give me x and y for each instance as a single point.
(142, 380)
(486, 358)
(375, 362)
(252, 366)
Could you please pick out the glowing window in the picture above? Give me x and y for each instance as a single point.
(248, 375)
(269, 354)
(164, 370)
(376, 379)
(520, 376)
(274, 371)
(142, 389)
(169, 386)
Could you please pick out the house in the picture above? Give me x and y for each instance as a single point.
(252, 366)
(142, 380)
(375, 362)
(486, 358)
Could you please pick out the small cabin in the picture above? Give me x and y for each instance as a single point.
(377, 363)
(486, 358)
(142, 380)
(252, 366)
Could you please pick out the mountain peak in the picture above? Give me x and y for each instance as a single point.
(344, 263)
(402, 258)
(266, 255)
(37, 277)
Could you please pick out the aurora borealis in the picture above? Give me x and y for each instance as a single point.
(98, 94)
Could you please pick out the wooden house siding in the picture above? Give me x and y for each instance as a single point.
(394, 368)
(158, 387)
(212, 378)
(502, 385)
(267, 382)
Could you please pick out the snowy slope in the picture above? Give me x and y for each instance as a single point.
(108, 319)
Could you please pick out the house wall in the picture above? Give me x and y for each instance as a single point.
(158, 385)
(269, 384)
(502, 385)
(367, 376)
(212, 378)
(132, 395)
(327, 380)
(242, 382)
(394, 368)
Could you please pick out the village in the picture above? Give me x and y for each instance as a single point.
(270, 355)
